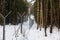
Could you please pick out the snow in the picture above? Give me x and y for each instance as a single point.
(32, 17)
(28, 0)
(28, 34)
(1, 32)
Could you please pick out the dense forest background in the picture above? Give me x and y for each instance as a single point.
(15, 6)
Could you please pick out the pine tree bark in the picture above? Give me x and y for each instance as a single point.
(58, 12)
(51, 10)
(37, 2)
(46, 17)
(40, 11)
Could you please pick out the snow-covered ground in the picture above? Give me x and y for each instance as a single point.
(28, 34)
(32, 34)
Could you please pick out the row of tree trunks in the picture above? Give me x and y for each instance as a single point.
(39, 14)
(56, 14)
(44, 12)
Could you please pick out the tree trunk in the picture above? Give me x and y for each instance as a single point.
(37, 13)
(3, 11)
(45, 14)
(51, 10)
(58, 12)
(46, 17)
(40, 6)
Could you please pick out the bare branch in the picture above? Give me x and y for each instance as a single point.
(20, 14)
(23, 14)
(8, 14)
(1, 15)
